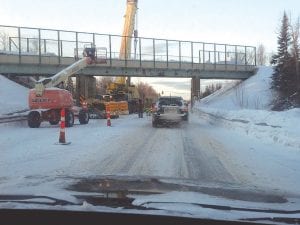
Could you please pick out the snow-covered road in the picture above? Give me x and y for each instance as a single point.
(199, 149)
(130, 147)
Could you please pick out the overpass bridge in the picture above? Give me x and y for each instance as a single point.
(26, 51)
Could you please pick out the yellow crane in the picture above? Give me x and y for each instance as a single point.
(120, 88)
(128, 30)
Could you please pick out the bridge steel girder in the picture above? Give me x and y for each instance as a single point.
(49, 70)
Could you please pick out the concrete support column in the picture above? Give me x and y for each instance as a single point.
(85, 87)
(77, 90)
(128, 81)
(195, 89)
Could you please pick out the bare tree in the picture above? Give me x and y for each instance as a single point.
(3, 41)
(147, 93)
(261, 55)
(210, 89)
(240, 96)
(102, 84)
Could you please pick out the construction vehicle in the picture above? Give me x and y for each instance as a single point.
(121, 89)
(97, 107)
(46, 100)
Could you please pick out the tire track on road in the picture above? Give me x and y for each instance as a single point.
(125, 156)
(201, 162)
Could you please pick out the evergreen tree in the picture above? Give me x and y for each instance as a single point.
(283, 77)
(283, 54)
(295, 50)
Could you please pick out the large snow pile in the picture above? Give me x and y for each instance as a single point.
(13, 97)
(254, 93)
(246, 107)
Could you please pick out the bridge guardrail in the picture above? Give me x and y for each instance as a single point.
(60, 44)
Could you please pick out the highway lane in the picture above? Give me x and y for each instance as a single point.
(199, 149)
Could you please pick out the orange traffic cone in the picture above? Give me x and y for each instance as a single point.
(62, 137)
(108, 116)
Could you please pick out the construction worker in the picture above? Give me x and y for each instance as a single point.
(140, 108)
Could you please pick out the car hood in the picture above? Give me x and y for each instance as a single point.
(153, 195)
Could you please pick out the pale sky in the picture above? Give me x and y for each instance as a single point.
(244, 22)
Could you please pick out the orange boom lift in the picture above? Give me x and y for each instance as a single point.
(46, 100)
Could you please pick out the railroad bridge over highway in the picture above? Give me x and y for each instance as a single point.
(26, 51)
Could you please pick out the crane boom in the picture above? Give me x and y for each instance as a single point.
(128, 30)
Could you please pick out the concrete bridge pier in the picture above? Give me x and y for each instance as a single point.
(85, 87)
(195, 89)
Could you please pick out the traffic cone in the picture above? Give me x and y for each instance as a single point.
(108, 116)
(62, 136)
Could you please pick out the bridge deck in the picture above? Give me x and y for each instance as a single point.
(49, 65)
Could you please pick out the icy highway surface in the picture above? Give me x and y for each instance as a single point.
(198, 149)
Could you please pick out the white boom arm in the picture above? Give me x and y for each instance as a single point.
(60, 76)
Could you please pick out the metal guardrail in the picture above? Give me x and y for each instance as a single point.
(10, 119)
(61, 43)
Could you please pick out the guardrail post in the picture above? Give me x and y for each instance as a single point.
(140, 51)
(203, 56)
(40, 49)
(236, 57)
(27, 41)
(225, 57)
(179, 45)
(19, 34)
(61, 48)
(76, 51)
(167, 48)
(9, 44)
(245, 57)
(94, 40)
(192, 53)
(45, 46)
(110, 57)
(58, 46)
(199, 56)
(153, 52)
(255, 56)
(215, 56)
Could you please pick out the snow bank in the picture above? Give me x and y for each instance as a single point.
(254, 93)
(247, 107)
(13, 97)
(269, 126)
